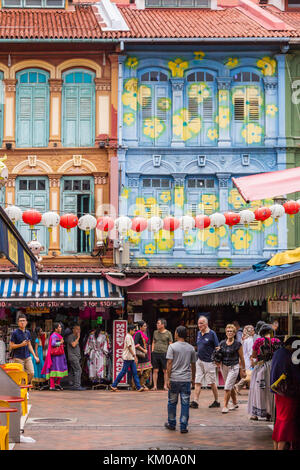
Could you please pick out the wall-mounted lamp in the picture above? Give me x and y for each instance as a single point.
(9, 61)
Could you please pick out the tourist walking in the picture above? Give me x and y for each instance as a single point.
(260, 399)
(232, 357)
(130, 360)
(239, 331)
(38, 378)
(162, 338)
(285, 381)
(247, 343)
(181, 359)
(74, 358)
(142, 349)
(207, 342)
(20, 346)
(55, 367)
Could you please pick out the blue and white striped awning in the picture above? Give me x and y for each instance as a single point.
(49, 289)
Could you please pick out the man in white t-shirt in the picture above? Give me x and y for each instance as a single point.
(130, 361)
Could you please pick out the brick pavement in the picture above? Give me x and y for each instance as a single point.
(132, 420)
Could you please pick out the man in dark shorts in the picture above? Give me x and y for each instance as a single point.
(162, 338)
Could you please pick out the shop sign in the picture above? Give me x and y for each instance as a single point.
(37, 311)
(119, 333)
(60, 303)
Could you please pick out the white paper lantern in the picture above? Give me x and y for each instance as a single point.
(247, 217)
(187, 223)
(217, 220)
(155, 224)
(50, 220)
(277, 211)
(87, 223)
(14, 213)
(122, 224)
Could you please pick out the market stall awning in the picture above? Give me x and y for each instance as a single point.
(55, 292)
(268, 185)
(267, 283)
(15, 249)
(165, 288)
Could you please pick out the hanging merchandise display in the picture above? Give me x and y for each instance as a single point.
(87, 223)
(32, 217)
(50, 220)
(68, 221)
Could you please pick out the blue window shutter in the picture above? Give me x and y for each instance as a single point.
(86, 133)
(68, 240)
(71, 111)
(24, 116)
(146, 112)
(39, 116)
(162, 93)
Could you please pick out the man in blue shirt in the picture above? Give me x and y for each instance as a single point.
(20, 344)
(207, 341)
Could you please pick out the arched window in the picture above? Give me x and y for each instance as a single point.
(154, 108)
(32, 105)
(1, 106)
(247, 108)
(78, 108)
(200, 102)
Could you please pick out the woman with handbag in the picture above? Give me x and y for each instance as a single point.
(55, 366)
(142, 348)
(285, 383)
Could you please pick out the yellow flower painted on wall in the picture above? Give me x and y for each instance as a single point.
(164, 104)
(272, 240)
(184, 127)
(241, 239)
(225, 262)
(189, 240)
(165, 196)
(232, 62)
(199, 91)
(149, 249)
(128, 119)
(142, 262)
(212, 237)
(164, 240)
(132, 62)
(209, 203)
(271, 110)
(140, 211)
(178, 66)
(223, 95)
(140, 200)
(252, 133)
(224, 117)
(179, 196)
(135, 95)
(199, 55)
(131, 84)
(267, 66)
(212, 134)
(134, 237)
(151, 200)
(153, 127)
(125, 193)
(235, 199)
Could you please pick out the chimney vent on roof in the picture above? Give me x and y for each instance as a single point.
(263, 2)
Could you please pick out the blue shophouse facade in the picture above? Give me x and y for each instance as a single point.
(191, 118)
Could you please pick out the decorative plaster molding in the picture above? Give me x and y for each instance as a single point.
(177, 84)
(100, 180)
(10, 85)
(40, 167)
(54, 181)
(55, 85)
(86, 167)
(224, 83)
(102, 84)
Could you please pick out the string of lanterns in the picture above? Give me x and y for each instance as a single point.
(122, 224)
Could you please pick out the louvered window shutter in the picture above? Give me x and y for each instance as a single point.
(208, 109)
(24, 119)
(39, 116)
(253, 99)
(239, 108)
(86, 117)
(69, 240)
(146, 111)
(71, 113)
(162, 113)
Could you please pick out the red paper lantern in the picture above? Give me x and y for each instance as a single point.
(291, 207)
(139, 224)
(202, 221)
(171, 224)
(105, 223)
(262, 213)
(31, 217)
(68, 221)
(232, 218)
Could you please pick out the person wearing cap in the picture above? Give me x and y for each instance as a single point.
(260, 399)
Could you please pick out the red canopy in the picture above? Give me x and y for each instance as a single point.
(268, 185)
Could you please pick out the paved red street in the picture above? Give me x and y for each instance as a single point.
(130, 420)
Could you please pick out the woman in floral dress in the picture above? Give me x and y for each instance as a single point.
(97, 349)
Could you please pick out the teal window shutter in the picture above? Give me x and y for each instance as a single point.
(1, 106)
(24, 115)
(39, 117)
(70, 117)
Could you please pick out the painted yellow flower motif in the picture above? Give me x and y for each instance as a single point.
(165, 196)
(268, 202)
(255, 204)
(128, 119)
(135, 95)
(225, 263)
(271, 110)
(252, 133)
(209, 203)
(185, 127)
(267, 66)
(241, 239)
(153, 127)
(140, 200)
(149, 249)
(132, 62)
(189, 240)
(223, 95)
(232, 62)
(180, 265)
(224, 116)
(164, 104)
(211, 237)
(179, 196)
(125, 193)
(199, 91)
(152, 210)
(151, 200)
(164, 240)
(143, 262)
(199, 55)
(236, 200)
(178, 67)
(131, 84)
(134, 237)
(212, 134)
(272, 240)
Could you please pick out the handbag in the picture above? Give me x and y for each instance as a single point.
(140, 353)
(284, 386)
(57, 351)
